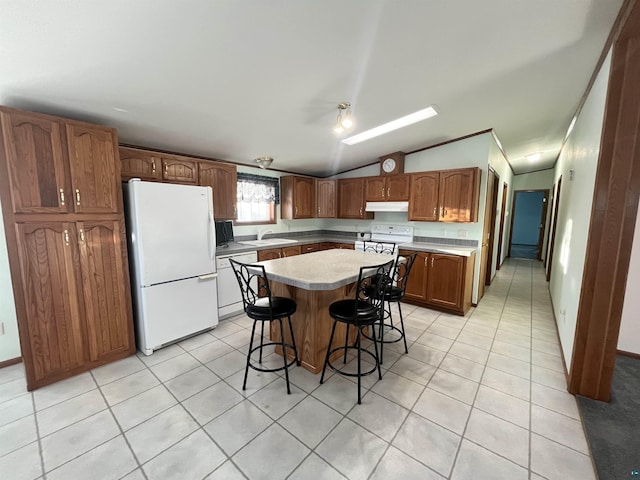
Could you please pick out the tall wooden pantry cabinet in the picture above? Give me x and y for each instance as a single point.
(64, 221)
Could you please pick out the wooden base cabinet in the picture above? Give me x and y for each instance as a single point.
(441, 281)
(64, 221)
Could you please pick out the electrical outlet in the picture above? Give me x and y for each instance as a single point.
(1, 328)
(462, 234)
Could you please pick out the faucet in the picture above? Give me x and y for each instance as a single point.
(262, 233)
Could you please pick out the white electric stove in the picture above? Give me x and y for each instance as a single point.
(386, 238)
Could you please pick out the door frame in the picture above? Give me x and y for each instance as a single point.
(492, 224)
(545, 202)
(552, 239)
(505, 191)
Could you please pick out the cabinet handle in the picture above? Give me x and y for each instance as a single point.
(360, 211)
(426, 262)
(153, 166)
(382, 192)
(389, 192)
(445, 212)
(318, 210)
(82, 235)
(166, 169)
(296, 211)
(61, 197)
(77, 196)
(435, 211)
(431, 262)
(441, 212)
(66, 237)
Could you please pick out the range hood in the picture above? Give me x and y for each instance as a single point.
(387, 207)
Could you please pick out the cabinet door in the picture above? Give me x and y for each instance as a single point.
(445, 281)
(179, 171)
(351, 198)
(423, 202)
(270, 254)
(95, 175)
(223, 179)
(35, 162)
(313, 247)
(51, 329)
(375, 189)
(291, 251)
(304, 197)
(457, 195)
(137, 164)
(417, 281)
(398, 188)
(326, 198)
(105, 282)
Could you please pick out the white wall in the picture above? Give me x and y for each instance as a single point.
(503, 170)
(629, 338)
(470, 152)
(542, 180)
(580, 153)
(9, 342)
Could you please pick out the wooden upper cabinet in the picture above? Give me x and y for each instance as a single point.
(95, 174)
(108, 320)
(423, 203)
(52, 342)
(223, 179)
(398, 187)
(375, 189)
(445, 282)
(459, 195)
(35, 157)
(326, 198)
(139, 164)
(298, 197)
(393, 188)
(179, 170)
(351, 199)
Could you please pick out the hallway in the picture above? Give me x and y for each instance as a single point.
(477, 397)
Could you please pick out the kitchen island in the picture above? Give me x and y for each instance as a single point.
(316, 280)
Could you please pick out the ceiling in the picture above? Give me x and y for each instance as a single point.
(236, 80)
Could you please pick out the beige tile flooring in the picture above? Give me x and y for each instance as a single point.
(479, 397)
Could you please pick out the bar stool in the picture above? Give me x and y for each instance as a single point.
(387, 248)
(365, 309)
(394, 292)
(262, 307)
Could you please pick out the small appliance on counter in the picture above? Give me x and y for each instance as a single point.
(224, 233)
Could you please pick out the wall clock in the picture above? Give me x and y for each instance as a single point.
(392, 164)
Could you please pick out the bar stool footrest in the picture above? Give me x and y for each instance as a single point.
(288, 346)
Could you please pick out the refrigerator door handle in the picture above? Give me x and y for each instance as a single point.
(207, 276)
(212, 237)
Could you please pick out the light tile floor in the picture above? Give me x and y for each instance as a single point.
(477, 397)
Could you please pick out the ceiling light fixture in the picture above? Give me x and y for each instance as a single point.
(534, 157)
(264, 162)
(392, 125)
(345, 118)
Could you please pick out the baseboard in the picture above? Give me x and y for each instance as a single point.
(11, 361)
(555, 320)
(628, 354)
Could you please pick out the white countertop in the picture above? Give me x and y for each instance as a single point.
(324, 270)
(439, 248)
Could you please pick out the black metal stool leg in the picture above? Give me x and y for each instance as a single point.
(262, 340)
(404, 337)
(375, 348)
(346, 343)
(284, 355)
(293, 342)
(246, 368)
(326, 358)
(359, 368)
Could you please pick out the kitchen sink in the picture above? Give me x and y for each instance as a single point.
(265, 242)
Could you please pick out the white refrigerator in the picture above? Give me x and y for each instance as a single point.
(172, 244)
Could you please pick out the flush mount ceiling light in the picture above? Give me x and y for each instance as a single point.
(407, 120)
(345, 118)
(534, 157)
(264, 162)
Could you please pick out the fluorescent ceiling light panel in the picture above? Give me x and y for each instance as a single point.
(392, 125)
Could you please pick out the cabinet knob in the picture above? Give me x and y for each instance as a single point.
(166, 169)
(61, 196)
(153, 166)
(77, 196)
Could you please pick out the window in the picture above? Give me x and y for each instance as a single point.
(257, 199)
